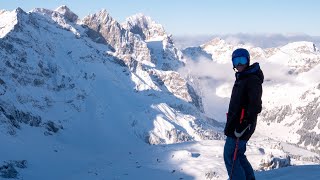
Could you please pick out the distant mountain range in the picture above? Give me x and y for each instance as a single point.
(257, 40)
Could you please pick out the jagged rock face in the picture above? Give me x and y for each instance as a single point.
(102, 28)
(109, 28)
(163, 52)
(172, 55)
(277, 115)
(310, 117)
(144, 26)
(15, 118)
(174, 83)
(302, 120)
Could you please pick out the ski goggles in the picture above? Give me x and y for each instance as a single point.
(239, 61)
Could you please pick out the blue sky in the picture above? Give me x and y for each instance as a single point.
(201, 17)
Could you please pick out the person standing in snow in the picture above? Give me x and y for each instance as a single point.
(245, 104)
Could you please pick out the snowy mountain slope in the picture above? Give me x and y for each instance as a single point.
(297, 172)
(66, 99)
(90, 52)
(192, 160)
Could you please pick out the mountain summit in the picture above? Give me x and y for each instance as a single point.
(144, 26)
(67, 13)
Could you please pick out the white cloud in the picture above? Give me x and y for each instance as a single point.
(212, 76)
(206, 68)
(276, 73)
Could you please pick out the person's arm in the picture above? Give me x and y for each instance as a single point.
(254, 89)
(254, 94)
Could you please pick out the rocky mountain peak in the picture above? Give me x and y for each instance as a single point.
(67, 13)
(144, 26)
(19, 10)
(215, 42)
(102, 28)
(102, 17)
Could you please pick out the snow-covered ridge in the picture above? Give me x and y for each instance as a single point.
(61, 17)
(298, 56)
(221, 51)
(300, 47)
(8, 21)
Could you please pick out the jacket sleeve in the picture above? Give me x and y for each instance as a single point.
(254, 96)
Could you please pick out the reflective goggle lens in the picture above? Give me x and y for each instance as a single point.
(239, 61)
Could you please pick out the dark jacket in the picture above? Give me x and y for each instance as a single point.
(246, 94)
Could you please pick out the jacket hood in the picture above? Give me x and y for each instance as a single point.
(254, 69)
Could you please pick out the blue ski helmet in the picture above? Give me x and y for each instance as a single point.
(240, 52)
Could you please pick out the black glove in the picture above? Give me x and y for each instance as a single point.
(241, 128)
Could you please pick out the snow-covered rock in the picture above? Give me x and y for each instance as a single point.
(270, 162)
(67, 13)
(102, 28)
(144, 26)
